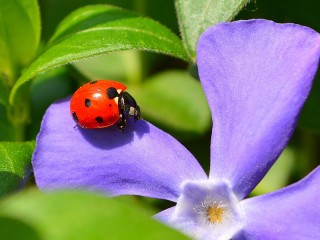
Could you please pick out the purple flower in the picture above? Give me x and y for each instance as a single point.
(256, 76)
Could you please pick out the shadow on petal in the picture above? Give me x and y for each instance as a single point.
(112, 137)
(142, 160)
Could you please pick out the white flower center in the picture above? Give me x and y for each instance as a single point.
(207, 210)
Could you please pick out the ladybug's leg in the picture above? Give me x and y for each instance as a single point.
(122, 122)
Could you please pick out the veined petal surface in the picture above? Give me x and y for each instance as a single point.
(289, 213)
(256, 75)
(142, 160)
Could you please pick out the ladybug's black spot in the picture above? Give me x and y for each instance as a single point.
(110, 105)
(112, 93)
(93, 82)
(87, 102)
(99, 119)
(75, 117)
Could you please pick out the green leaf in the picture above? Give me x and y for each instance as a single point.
(19, 35)
(52, 12)
(174, 100)
(195, 16)
(100, 29)
(78, 216)
(15, 164)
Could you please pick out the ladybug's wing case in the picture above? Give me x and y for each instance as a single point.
(91, 107)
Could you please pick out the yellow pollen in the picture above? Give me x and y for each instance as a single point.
(215, 214)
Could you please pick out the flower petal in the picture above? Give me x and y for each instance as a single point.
(290, 213)
(256, 75)
(142, 160)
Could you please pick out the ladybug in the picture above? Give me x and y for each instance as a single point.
(103, 103)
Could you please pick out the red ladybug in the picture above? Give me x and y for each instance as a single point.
(102, 103)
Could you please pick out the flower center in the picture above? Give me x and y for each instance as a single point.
(215, 213)
(208, 210)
